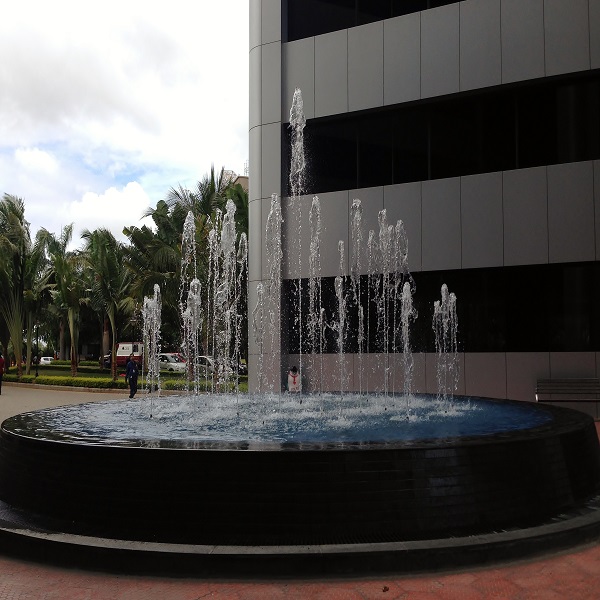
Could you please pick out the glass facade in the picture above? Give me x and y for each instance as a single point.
(528, 125)
(534, 308)
(306, 18)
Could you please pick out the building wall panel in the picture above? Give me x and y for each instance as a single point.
(331, 73)
(571, 212)
(481, 221)
(365, 66)
(402, 59)
(480, 49)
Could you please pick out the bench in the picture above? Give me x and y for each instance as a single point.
(565, 390)
(581, 394)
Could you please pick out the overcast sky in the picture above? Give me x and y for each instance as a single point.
(104, 106)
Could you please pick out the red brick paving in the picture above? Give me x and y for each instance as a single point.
(574, 575)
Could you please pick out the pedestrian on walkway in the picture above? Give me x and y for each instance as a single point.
(2, 369)
(131, 375)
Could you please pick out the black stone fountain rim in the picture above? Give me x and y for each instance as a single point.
(563, 420)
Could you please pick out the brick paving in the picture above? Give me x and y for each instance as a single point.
(573, 575)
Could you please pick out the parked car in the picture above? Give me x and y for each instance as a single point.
(46, 360)
(206, 365)
(171, 362)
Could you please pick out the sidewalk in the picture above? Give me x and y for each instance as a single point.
(573, 575)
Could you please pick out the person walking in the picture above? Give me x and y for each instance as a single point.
(131, 375)
(2, 369)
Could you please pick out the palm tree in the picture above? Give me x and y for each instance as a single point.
(36, 289)
(68, 293)
(209, 195)
(110, 282)
(15, 245)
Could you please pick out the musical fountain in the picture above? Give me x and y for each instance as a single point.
(319, 480)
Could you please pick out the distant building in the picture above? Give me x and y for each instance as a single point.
(478, 124)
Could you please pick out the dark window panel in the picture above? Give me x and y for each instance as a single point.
(405, 7)
(307, 18)
(369, 11)
(537, 308)
(494, 130)
(536, 127)
(375, 153)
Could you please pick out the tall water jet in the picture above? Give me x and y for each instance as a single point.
(340, 326)
(315, 314)
(355, 273)
(445, 326)
(193, 318)
(151, 316)
(407, 315)
(273, 290)
(383, 303)
(258, 329)
(297, 185)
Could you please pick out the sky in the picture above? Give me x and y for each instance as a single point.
(104, 106)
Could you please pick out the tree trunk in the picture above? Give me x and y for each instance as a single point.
(62, 350)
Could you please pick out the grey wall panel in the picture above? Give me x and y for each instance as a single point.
(271, 160)
(271, 21)
(572, 364)
(265, 207)
(334, 214)
(522, 40)
(299, 72)
(418, 384)
(485, 374)
(525, 201)
(271, 83)
(441, 244)
(431, 361)
(481, 220)
(597, 206)
(402, 59)
(523, 369)
(255, 164)
(372, 202)
(571, 212)
(480, 51)
(365, 66)
(331, 73)
(255, 241)
(255, 114)
(595, 33)
(255, 23)
(567, 41)
(440, 51)
(296, 235)
(404, 202)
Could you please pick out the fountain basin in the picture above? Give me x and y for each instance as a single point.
(220, 490)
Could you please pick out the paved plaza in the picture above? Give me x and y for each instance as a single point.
(573, 575)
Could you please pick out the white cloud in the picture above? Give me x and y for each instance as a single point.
(113, 209)
(34, 159)
(95, 96)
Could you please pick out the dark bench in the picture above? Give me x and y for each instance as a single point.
(568, 390)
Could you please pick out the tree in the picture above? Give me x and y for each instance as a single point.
(15, 242)
(37, 288)
(110, 282)
(68, 293)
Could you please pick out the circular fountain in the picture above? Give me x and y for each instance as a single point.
(302, 482)
(245, 473)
